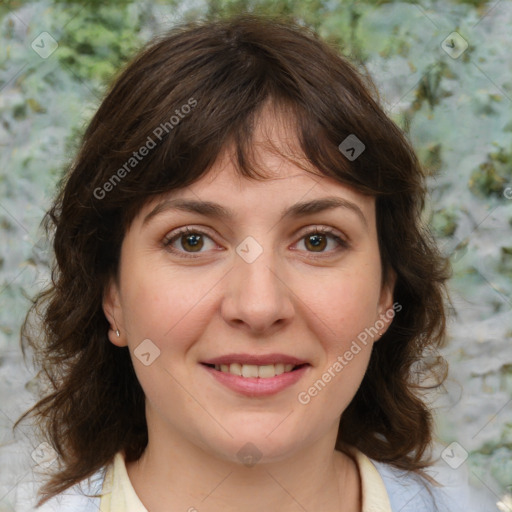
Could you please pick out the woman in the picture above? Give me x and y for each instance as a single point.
(242, 288)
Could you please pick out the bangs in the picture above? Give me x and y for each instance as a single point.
(196, 108)
(277, 125)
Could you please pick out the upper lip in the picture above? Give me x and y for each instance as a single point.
(258, 360)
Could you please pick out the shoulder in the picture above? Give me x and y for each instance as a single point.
(410, 492)
(82, 497)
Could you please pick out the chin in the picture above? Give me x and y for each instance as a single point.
(255, 446)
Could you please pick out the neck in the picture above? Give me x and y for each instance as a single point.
(185, 477)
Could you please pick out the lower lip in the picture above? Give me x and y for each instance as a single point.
(256, 386)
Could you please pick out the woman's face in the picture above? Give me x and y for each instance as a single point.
(253, 287)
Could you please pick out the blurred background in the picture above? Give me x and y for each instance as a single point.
(444, 71)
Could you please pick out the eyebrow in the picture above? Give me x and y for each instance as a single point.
(218, 211)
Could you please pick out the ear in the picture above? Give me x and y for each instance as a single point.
(114, 313)
(386, 308)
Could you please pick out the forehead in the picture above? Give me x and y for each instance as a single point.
(225, 196)
(289, 178)
(285, 183)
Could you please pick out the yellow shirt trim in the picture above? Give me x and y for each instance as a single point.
(118, 494)
(373, 491)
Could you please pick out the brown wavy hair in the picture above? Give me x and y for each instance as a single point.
(226, 70)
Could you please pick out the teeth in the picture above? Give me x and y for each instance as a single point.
(251, 370)
(279, 368)
(266, 371)
(234, 368)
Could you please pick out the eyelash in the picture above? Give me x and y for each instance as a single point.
(167, 242)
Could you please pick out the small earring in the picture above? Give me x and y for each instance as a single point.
(118, 333)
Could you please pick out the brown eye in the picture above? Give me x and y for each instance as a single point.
(316, 242)
(187, 242)
(194, 241)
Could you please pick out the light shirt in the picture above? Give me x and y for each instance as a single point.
(118, 494)
(384, 488)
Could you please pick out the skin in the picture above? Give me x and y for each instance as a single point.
(292, 299)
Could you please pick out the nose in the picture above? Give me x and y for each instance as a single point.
(258, 297)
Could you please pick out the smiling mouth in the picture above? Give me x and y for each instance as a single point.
(255, 371)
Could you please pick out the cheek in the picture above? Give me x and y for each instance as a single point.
(161, 304)
(342, 321)
(346, 302)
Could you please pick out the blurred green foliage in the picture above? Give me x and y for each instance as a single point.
(95, 44)
(494, 175)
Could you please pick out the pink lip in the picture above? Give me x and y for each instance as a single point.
(254, 359)
(256, 386)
